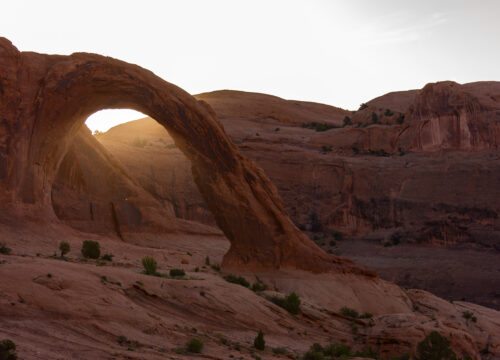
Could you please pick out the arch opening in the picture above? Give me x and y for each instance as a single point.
(110, 182)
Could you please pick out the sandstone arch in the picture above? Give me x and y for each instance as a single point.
(45, 99)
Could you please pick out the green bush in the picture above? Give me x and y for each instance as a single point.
(177, 272)
(149, 265)
(138, 142)
(374, 118)
(347, 121)
(435, 347)
(91, 249)
(237, 280)
(362, 106)
(107, 257)
(290, 303)
(259, 343)
(318, 126)
(4, 249)
(216, 267)
(337, 350)
(7, 350)
(366, 315)
(194, 345)
(349, 312)
(64, 247)
(258, 287)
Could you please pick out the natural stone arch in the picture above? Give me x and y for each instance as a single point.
(53, 96)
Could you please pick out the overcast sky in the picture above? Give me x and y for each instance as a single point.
(335, 52)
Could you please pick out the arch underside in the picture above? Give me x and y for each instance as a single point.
(46, 100)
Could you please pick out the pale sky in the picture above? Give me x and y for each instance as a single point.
(340, 53)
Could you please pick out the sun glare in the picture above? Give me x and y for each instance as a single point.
(105, 119)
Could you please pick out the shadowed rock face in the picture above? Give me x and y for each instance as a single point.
(46, 100)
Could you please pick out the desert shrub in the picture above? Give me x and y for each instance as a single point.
(374, 118)
(369, 354)
(280, 351)
(290, 303)
(4, 249)
(468, 315)
(332, 243)
(435, 347)
(362, 106)
(316, 352)
(347, 121)
(107, 257)
(216, 267)
(91, 249)
(64, 247)
(207, 261)
(401, 119)
(338, 236)
(355, 150)
(337, 350)
(237, 280)
(258, 287)
(277, 129)
(149, 265)
(177, 272)
(194, 345)
(318, 126)
(259, 343)
(349, 312)
(366, 315)
(396, 238)
(7, 350)
(388, 112)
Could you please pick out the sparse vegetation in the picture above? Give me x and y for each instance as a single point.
(149, 265)
(280, 351)
(4, 249)
(277, 129)
(374, 118)
(318, 126)
(207, 261)
(216, 267)
(290, 303)
(107, 257)
(194, 346)
(259, 343)
(388, 112)
(91, 249)
(468, 315)
(349, 312)
(258, 286)
(400, 119)
(435, 347)
(237, 280)
(177, 272)
(338, 236)
(7, 350)
(362, 106)
(64, 248)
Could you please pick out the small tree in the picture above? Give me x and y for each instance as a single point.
(64, 247)
(91, 249)
(435, 347)
(150, 265)
(7, 350)
(259, 343)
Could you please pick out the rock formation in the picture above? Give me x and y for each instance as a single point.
(46, 100)
(378, 182)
